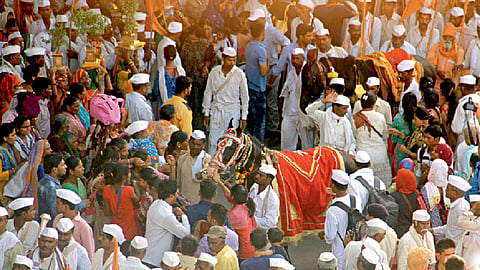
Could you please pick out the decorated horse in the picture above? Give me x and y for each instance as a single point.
(301, 181)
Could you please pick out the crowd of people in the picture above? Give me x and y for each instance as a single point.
(106, 145)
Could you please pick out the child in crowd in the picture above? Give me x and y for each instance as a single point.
(275, 236)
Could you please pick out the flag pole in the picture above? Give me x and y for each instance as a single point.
(375, 8)
(437, 4)
(361, 44)
(151, 36)
(463, 21)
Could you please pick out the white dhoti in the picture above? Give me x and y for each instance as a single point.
(290, 132)
(220, 118)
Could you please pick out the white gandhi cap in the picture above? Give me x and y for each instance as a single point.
(457, 12)
(136, 126)
(175, 27)
(256, 14)
(115, 231)
(406, 65)
(50, 232)
(140, 16)
(43, 3)
(139, 242)
(64, 225)
(10, 49)
(96, 11)
(371, 256)
(398, 30)
(205, 257)
(298, 51)
(322, 32)
(21, 203)
(281, 263)
(3, 212)
(421, 215)
(459, 183)
(340, 177)
(14, 35)
(198, 135)
(69, 196)
(141, 28)
(23, 260)
(342, 100)
(377, 223)
(474, 198)
(268, 169)
(140, 78)
(362, 157)
(171, 259)
(61, 18)
(426, 11)
(373, 81)
(229, 51)
(468, 79)
(340, 81)
(34, 51)
(355, 22)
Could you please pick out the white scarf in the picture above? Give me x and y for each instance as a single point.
(433, 195)
(329, 129)
(197, 166)
(473, 59)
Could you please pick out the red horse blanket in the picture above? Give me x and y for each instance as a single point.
(301, 183)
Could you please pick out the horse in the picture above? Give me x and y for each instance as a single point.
(300, 184)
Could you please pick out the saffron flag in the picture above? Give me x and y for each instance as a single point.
(154, 10)
(412, 7)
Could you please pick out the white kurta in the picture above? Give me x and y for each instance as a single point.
(108, 51)
(469, 245)
(53, 262)
(230, 103)
(451, 229)
(472, 57)
(375, 145)
(406, 46)
(389, 244)
(138, 108)
(267, 206)
(314, 22)
(27, 235)
(334, 51)
(356, 188)
(462, 117)
(132, 263)
(387, 26)
(420, 43)
(76, 256)
(98, 264)
(412, 239)
(291, 100)
(336, 222)
(353, 249)
(371, 34)
(354, 49)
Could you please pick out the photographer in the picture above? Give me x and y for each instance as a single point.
(466, 106)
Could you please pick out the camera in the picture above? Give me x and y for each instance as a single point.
(469, 105)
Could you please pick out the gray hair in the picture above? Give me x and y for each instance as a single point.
(371, 231)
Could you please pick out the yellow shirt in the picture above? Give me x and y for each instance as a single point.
(227, 259)
(183, 115)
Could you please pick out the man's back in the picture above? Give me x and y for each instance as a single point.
(47, 196)
(259, 263)
(255, 54)
(227, 259)
(183, 115)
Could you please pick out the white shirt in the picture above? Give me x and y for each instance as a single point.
(291, 93)
(354, 49)
(412, 239)
(387, 26)
(232, 97)
(27, 235)
(451, 229)
(267, 206)
(406, 46)
(132, 263)
(162, 226)
(98, 264)
(108, 51)
(76, 256)
(381, 106)
(138, 107)
(414, 88)
(334, 51)
(49, 263)
(371, 34)
(461, 116)
(39, 26)
(7, 67)
(353, 249)
(146, 67)
(420, 43)
(356, 188)
(314, 22)
(469, 245)
(337, 221)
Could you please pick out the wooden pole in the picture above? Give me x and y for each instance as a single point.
(151, 36)
(437, 4)
(370, 34)
(463, 21)
(361, 44)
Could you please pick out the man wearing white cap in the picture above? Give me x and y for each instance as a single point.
(109, 252)
(16, 38)
(225, 99)
(170, 261)
(323, 42)
(47, 255)
(368, 259)
(336, 220)
(11, 59)
(389, 19)
(174, 31)
(22, 263)
(354, 40)
(462, 117)
(418, 235)
(265, 198)
(27, 16)
(405, 75)
(469, 245)
(456, 18)
(67, 202)
(419, 34)
(371, 32)
(206, 262)
(335, 129)
(327, 261)
(381, 106)
(109, 43)
(305, 16)
(472, 53)
(138, 249)
(22, 224)
(292, 88)
(456, 189)
(136, 103)
(72, 51)
(191, 165)
(75, 254)
(10, 246)
(46, 21)
(366, 175)
(376, 230)
(399, 34)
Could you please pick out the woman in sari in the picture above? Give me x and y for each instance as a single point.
(8, 86)
(167, 76)
(406, 198)
(25, 137)
(71, 108)
(74, 179)
(10, 165)
(78, 91)
(432, 192)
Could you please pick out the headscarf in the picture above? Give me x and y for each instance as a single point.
(437, 177)
(7, 85)
(65, 145)
(407, 163)
(445, 153)
(77, 76)
(406, 181)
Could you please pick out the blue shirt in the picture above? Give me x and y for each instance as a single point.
(258, 263)
(196, 212)
(255, 54)
(273, 39)
(47, 196)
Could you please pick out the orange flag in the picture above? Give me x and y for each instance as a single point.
(154, 10)
(412, 7)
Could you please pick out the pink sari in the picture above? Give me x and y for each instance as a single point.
(76, 126)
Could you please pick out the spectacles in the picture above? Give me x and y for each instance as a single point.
(27, 126)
